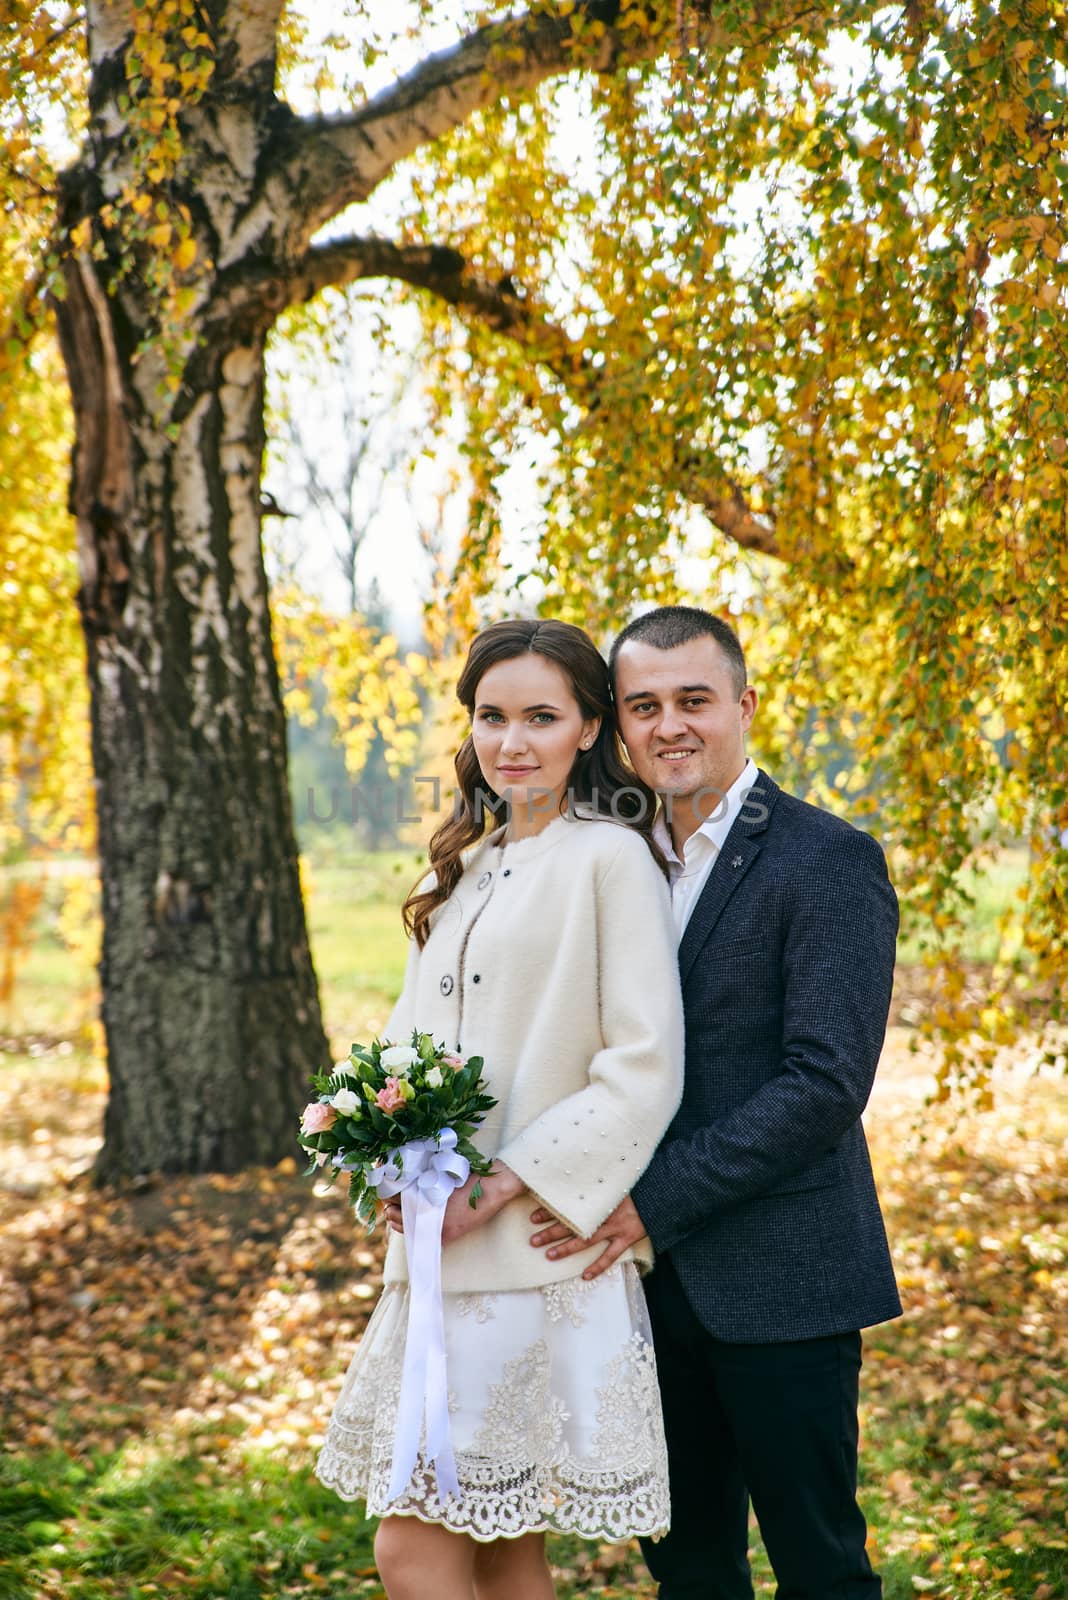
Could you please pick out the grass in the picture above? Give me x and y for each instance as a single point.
(170, 1354)
(358, 942)
(148, 1522)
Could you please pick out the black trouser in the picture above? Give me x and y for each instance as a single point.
(775, 1423)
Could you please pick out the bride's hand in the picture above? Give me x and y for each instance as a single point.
(498, 1187)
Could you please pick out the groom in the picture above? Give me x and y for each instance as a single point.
(760, 1202)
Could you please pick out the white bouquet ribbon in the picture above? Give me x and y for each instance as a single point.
(426, 1175)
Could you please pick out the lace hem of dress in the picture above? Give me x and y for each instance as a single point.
(606, 1506)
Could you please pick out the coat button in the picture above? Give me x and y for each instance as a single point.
(485, 880)
(476, 977)
(446, 984)
(507, 873)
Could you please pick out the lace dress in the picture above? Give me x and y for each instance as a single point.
(554, 1407)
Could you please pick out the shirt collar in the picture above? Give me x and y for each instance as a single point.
(716, 827)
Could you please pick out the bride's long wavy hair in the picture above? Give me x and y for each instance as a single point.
(599, 778)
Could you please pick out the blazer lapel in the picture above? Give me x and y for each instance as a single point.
(740, 849)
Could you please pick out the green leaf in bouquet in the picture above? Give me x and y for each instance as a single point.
(362, 1134)
(424, 1044)
(379, 1121)
(357, 1189)
(310, 1168)
(475, 1196)
(465, 1080)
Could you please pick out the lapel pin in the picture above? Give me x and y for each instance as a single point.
(736, 861)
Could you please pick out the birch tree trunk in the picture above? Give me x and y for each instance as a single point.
(210, 1002)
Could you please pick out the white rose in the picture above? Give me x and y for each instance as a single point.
(343, 1066)
(346, 1102)
(399, 1057)
(434, 1078)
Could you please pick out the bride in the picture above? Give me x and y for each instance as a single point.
(546, 946)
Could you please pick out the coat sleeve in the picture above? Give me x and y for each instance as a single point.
(581, 1156)
(838, 969)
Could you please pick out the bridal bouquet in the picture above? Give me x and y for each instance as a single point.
(398, 1118)
(393, 1115)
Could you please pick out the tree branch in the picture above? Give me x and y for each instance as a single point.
(341, 159)
(444, 272)
(725, 506)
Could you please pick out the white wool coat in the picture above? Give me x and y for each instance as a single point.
(555, 960)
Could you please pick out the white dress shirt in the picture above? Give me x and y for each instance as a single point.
(689, 875)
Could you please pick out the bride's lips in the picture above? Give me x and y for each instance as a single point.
(515, 772)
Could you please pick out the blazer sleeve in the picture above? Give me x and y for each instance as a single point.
(838, 968)
(581, 1156)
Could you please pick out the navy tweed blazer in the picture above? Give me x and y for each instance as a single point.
(761, 1191)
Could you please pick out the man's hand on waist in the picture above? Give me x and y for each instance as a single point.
(617, 1233)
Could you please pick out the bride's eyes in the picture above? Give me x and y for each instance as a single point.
(498, 716)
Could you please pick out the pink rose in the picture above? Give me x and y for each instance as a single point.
(317, 1117)
(454, 1061)
(391, 1098)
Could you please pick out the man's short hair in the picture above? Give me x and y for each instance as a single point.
(669, 626)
